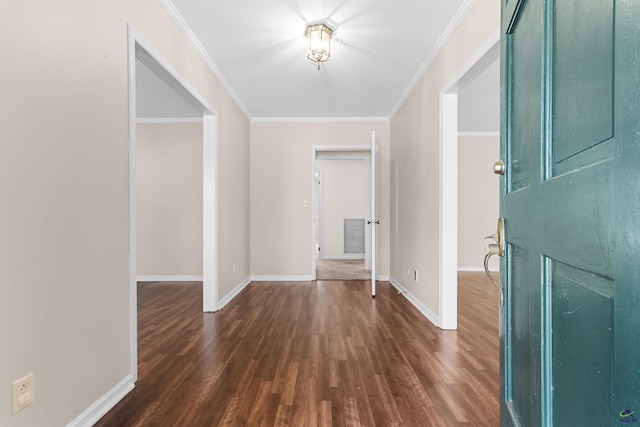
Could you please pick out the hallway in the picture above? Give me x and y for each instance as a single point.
(312, 353)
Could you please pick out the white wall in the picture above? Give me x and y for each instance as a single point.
(64, 215)
(415, 159)
(169, 195)
(346, 187)
(478, 200)
(281, 182)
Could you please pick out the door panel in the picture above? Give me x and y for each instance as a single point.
(579, 247)
(524, 70)
(582, 76)
(522, 383)
(571, 204)
(374, 213)
(520, 331)
(582, 356)
(626, 311)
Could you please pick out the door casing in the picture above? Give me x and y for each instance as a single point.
(448, 194)
(210, 190)
(315, 149)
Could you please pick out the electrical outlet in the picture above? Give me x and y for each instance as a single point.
(234, 268)
(408, 271)
(22, 393)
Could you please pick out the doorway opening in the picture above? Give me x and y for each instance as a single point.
(367, 154)
(449, 174)
(141, 53)
(341, 209)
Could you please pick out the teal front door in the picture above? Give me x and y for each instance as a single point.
(570, 199)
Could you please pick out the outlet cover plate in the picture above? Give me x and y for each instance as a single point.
(22, 393)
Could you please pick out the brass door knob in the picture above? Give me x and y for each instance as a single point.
(498, 167)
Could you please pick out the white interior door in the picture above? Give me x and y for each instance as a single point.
(319, 215)
(374, 213)
(367, 230)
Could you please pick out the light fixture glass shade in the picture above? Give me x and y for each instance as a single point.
(319, 36)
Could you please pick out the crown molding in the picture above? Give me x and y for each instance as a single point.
(442, 42)
(191, 37)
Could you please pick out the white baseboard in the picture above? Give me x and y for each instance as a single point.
(169, 278)
(281, 278)
(96, 411)
(417, 304)
(383, 279)
(231, 295)
(478, 269)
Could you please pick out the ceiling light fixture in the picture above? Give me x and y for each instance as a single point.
(319, 36)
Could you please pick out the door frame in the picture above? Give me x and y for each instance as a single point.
(448, 188)
(210, 189)
(315, 149)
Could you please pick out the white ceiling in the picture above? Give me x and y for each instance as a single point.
(300, 90)
(379, 49)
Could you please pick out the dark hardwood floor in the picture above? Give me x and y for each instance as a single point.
(312, 354)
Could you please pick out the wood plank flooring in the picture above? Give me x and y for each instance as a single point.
(312, 354)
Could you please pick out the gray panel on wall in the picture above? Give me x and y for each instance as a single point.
(354, 236)
(479, 102)
(156, 98)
